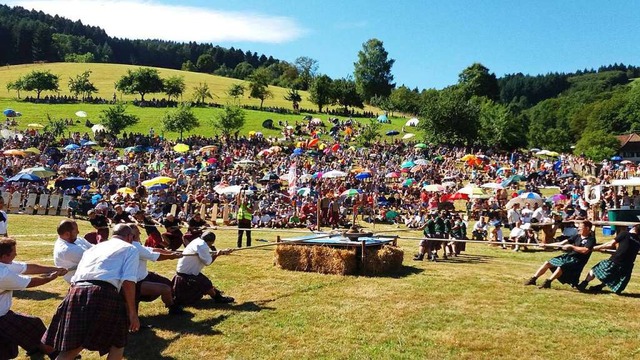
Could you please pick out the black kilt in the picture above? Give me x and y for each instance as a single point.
(19, 330)
(188, 289)
(571, 268)
(175, 239)
(615, 276)
(151, 277)
(93, 317)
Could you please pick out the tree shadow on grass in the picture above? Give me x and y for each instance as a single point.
(146, 344)
(36, 295)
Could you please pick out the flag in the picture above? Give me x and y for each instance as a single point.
(292, 180)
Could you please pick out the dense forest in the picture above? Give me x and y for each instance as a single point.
(558, 111)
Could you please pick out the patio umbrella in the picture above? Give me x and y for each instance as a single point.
(81, 114)
(558, 197)
(420, 146)
(72, 182)
(122, 168)
(158, 180)
(458, 196)
(433, 188)
(351, 192)
(305, 191)
(158, 187)
(89, 143)
(23, 177)
(471, 190)
(35, 126)
(494, 186)
(408, 136)
(421, 162)
(392, 132)
(393, 175)
(181, 148)
(245, 162)
(412, 122)
(567, 175)
(98, 127)
(616, 158)
(334, 174)
(363, 175)
(125, 190)
(72, 147)
(265, 152)
(190, 171)
(32, 150)
(9, 113)
(15, 152)
(407, 164)
(39, 171)
(208, 148)
(408, 182)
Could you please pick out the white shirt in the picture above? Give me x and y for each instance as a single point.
(538, 214)
(113, 261)
(10, 279)
(145, 254)
(480, 226)
(192, 265)
(67, 255)
(512, 216)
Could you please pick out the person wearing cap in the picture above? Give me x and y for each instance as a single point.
(99, 309)
(568, 266)
(616, 271)
(189, 283)
(19, 330)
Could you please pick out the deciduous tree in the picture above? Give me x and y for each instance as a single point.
(81, 85)
(116, 119)
(180, 120)
(39, 81)
(141, 81)
(231, 119)
(321, 92)
(174, 87)
(373, 70)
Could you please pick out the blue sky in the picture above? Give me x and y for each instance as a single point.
(431, 41)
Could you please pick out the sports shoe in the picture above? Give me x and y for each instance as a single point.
(418, 257)
(531, 281)
(546, 284)
(221, 299)
(582, 286)
(176, 310)
(596, 288)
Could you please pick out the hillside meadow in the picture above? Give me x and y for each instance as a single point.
(105, 75)
(470, 307)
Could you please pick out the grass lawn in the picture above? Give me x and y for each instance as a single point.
(470, 307)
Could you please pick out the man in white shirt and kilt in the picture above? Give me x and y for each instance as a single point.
(189, 283)
(615, 272)
(94, 315)
(568, 266)
(19, 329)
(68, 248)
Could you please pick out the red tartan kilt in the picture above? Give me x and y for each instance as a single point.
(174, 238)
(188, 289)
(19, 330)
(154, 278)
(90, 316)
(154, 240)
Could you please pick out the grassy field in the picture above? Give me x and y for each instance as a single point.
(470, 307)
(105, 75)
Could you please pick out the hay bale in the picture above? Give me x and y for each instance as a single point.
(293, 257)
(384, 260)
(328, 260)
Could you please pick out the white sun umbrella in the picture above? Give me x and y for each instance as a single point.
(408, 136)
(472, 189)
(449, 184)
(494, 186)
(421, 162)
(334, 174)
(512, 202)
(6, 133)
(305, 177)
(122, 168)
(434, 188)
(81, 113)
(245, 162)
(98, 127)
(234, 190)
(90, 169)
(412, 122)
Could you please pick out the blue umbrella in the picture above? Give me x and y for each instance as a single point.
(157, 187)
(363, 175)
(190, 171)
(9, 113)
(616, 158)
(298, 151)
(89, 143)
(72, 147)
(24, 177)
(407, 164)
(72, 182)
(392, 132)
(95, 198)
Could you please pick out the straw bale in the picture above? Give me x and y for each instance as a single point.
(382, 261)
(293, 257)
(327, 260)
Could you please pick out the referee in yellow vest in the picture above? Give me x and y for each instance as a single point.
(244, 216)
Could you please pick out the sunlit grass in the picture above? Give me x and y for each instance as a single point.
(471, 307)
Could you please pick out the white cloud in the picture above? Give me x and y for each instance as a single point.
(136, 19)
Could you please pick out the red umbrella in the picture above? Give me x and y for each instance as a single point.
(212, 160)
(458, 196)
(335, 147)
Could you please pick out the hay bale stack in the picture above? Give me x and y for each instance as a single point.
(382, 261)
(326, 260)
(293, 257)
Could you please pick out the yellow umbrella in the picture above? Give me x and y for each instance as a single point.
(158, 180)
(181, 148)
(32, 150)
(35, 126)
(468, 157)
(125, 190)
(251, 133)
(14, 152)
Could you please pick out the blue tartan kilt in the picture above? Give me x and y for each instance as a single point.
(615, 276)
(571, 268)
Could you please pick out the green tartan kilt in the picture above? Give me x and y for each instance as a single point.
(615, 276)
(571, 268)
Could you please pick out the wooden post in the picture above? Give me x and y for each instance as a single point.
(363, 246)
(278, 239)
(214, 214)
(318, 209)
